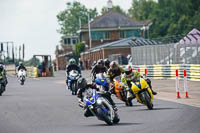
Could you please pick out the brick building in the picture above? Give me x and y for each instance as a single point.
(110, 28)
(65, 51)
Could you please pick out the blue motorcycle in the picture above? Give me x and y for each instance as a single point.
(100, 107)
(101, 82)
(72, 81)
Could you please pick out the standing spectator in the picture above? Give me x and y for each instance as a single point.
(81, 63)
(54, 65)
(89, 63)
(86, 64)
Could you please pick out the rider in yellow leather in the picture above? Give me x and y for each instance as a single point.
(133, 76)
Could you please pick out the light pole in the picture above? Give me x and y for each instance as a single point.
(90, 41)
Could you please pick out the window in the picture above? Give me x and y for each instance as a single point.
(97, 35)
(122, 34)
(67, 41)
(130, 33)
(74, 41)
(106, 35)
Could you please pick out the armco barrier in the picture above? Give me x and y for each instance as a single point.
(10, 69)
(169, 71)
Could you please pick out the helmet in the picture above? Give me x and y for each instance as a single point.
(128, 71)
(107, 62)
(114, 65)
(94, 63)
(82, 83)
(1, 67)
(100, 62)
(72, 61)
(21, 64)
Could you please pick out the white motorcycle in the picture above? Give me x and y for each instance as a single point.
(22, 76)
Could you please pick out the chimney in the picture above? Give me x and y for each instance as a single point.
(109, 4)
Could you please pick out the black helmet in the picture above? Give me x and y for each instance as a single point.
(82, 83)
(21, 64)
(100, 62)
(107, 62)
(1, 67)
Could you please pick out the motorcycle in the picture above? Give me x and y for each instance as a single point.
(101, 82)
(2, 85)
(143, 93)
(72, 81)
(22, 76)
(122, 91)
(100, 107)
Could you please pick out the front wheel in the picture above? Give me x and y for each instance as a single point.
(147, 101)
(104, 117)
(74, 88)
(2, 89)
(116, 119)
(22, 82)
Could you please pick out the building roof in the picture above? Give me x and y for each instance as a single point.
(126, 43)
(113, 19)
(193, 37)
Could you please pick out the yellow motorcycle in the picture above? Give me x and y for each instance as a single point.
(143, 93)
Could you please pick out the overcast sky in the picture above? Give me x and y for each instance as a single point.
(34, 22)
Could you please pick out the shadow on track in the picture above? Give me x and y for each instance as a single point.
(156, 109)
(119, 124)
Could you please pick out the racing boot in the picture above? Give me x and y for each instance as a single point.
(149, 83)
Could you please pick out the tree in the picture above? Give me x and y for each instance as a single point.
(79, 47)
(69, 19)
(32, 62)
(115, 8)
(169, 17)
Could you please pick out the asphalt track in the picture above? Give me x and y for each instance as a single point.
(44, 106)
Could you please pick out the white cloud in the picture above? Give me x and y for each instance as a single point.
(34, 22)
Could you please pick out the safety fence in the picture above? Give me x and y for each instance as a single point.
(169, 71)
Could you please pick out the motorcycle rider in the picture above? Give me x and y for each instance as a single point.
(107, 63)
(72, 66)
(83, 86)
(132, 76)
(113, 72)
(21, 66)
(3, 73)
(98, 68)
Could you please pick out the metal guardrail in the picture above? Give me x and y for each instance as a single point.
(169, 71)
(10, 69)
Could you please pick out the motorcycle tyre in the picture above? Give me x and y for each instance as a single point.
(104, 117)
